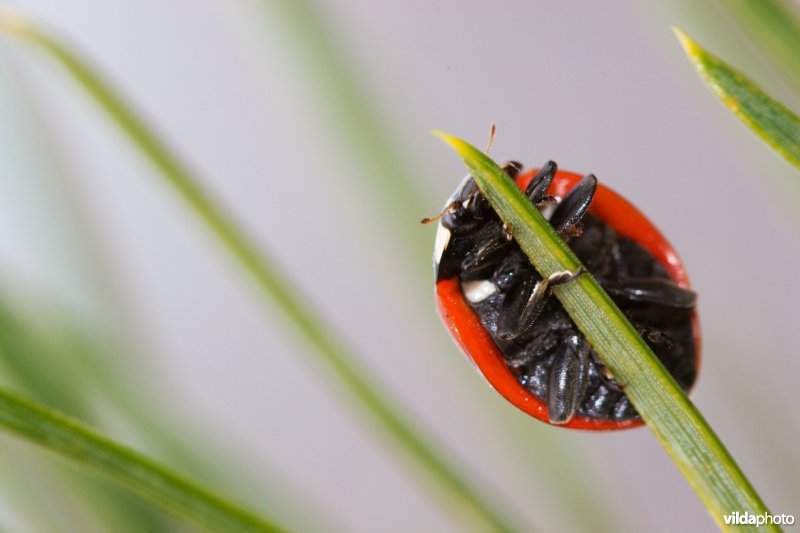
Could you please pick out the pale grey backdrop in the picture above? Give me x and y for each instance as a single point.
(600, 88)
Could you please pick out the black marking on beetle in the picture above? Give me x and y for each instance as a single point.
(542, 346)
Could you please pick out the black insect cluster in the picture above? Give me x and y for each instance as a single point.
(480, 250)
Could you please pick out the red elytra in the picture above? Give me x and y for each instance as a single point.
(467, 330)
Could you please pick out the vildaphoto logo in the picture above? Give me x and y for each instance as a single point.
(746, 519)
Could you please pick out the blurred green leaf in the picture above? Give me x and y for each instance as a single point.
(672, 417)
(357, 124)
(773, 26)
(41, 363)
(165, 488)
(56, 361)
(770, 120)
(355, 118)
(370, 396)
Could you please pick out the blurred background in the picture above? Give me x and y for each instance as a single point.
(309, 121)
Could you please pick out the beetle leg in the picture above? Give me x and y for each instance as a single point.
(574, 205)
(657, 302)
(560, 278)
(568, 380)
(523, 305)
(661, 292)
(507, 232)
(487, 249)
(540, 182)
(654, 336)
(510, 270)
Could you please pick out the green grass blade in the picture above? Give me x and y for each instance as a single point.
(772, 121)
(171, 491)
(464, 500)
(674, 420)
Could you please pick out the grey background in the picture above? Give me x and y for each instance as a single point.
(598, 88)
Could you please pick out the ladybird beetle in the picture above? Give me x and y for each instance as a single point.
(499, 311)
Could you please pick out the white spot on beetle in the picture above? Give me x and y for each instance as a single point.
(442, 239)
(548, 210)
(478, 291)
(443, 234)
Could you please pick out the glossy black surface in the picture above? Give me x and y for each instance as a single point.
(541, 344)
